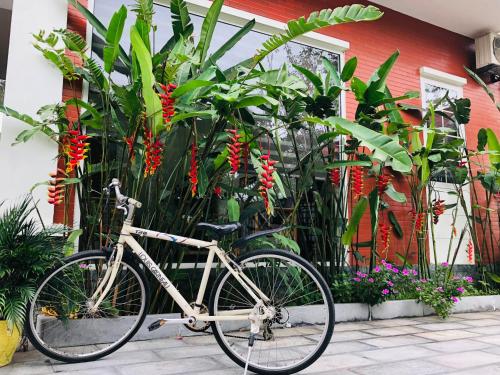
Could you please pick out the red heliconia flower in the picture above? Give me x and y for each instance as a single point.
(193, 170)
(152, 153)
(335, 176)
(167, 102)
(382, 182)
(234, 147)
(357, 181)
(76, 150)
(437, 210)
(462, 164)
(470, 251)
(55, 190)
(130, 145)
(385, 232)
(266, 179)
(218, 192)
(419, 220)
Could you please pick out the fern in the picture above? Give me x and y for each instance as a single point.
(73, 41)
(144, 10)
(317, 20)
(96, 76)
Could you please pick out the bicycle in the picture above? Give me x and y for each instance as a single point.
(262, 305)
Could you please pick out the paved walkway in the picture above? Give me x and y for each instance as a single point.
(465, 344)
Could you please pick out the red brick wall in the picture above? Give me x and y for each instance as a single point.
(419, 43)
(64, 213)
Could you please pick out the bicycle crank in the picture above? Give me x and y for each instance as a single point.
(161, 322)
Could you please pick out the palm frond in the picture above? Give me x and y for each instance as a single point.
(317, 20)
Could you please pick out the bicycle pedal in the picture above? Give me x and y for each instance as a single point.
(158, 324)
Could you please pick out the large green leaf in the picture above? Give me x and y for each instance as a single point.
(99, 27)
(181, 22)
(113, 36)
(382, 145)
(425, 170)
(151, 99)
(357, 214)
(349, 69)
(481, 83)
(317, 20)
(315, 80)
(233, 209)
(493, 149)
(207, 29)
(375, 91)
(230, 43)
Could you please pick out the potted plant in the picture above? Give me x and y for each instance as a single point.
(27, 250)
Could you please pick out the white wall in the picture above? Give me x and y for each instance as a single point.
(31, 82)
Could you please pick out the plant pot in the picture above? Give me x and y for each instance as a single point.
(9, 340)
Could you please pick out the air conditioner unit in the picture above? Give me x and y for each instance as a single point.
(488, 57)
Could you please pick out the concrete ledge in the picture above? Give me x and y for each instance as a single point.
(477, 304)
(398, 309)
(348, 312)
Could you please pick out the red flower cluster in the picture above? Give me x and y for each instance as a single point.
(437, 209)
(470, 251)
(266, 179)
(357, 181)
(55, 191)
(130, 145)
(385, 232)
(382, 182)
(419, 220)
(234, 147)
(335, 176)
(76, 150)
(218, 192)
(167, 102)
(193, 170)
(153, 150)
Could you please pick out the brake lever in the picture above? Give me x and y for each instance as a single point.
(122, 208)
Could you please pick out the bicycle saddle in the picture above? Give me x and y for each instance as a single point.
(219, 230)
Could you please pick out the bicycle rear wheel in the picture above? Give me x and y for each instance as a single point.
(303, 322)
(61, 322)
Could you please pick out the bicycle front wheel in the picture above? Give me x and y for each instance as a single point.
(62, 319)
(303, 320)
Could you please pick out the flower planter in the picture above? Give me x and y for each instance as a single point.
(398, 309)
(9, 340)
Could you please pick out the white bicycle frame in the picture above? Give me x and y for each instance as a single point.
(126, 237)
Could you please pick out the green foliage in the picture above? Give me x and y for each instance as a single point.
(113, 36)
(26, 252)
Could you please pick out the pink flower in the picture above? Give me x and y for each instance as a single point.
(444, 264)
(357, 279)
(415, 273)
(371, 280)
(390, 283)
(440, 289)
(405, 272)
(383, 261)
(423, 280)
(385, 292)
(454, 299)
(395, 270)
(468, 279)
(359, 273)
(376, 269)
(388, 266)
(418, 289)
(460, 289)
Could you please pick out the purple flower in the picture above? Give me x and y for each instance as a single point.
(418, 289)
(395, 270)
(388, 266)
(405, 272)
(371, 280)
(454, 299)
(359, 273)
(357, 279)
(363, 275)
(423, 280)
(460, 289)
(383, 261)
(468, 279)
(444, 264)
(376, 269)
(385, 292)
(390, 283)
(440, 289)
(415, 273)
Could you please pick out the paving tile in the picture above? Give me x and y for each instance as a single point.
(487, 370)
(179, 366)
(32, 368)
(480, 322)
(492, 330)
(400, 353)
(152, 344)
(350, 336)
(493, 339)
(394, 331)
(393, 322)
(455, 346)
(388, 342)
(96, 371)
(189, 352)
(411, 367)
(465, 359)
(342, 327)
(339, 361)
(469, 316)
(442, 326)
(346, 347)
(437, 319)
(451, 334)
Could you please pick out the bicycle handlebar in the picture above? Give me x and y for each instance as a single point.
(120, 198)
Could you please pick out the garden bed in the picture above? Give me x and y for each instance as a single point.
(344, 312)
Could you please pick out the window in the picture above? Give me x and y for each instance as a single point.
(435, 85)
(5, 16)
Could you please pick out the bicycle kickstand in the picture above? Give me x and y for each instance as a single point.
(251, 340)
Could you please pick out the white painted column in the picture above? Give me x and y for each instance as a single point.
(31, 82)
